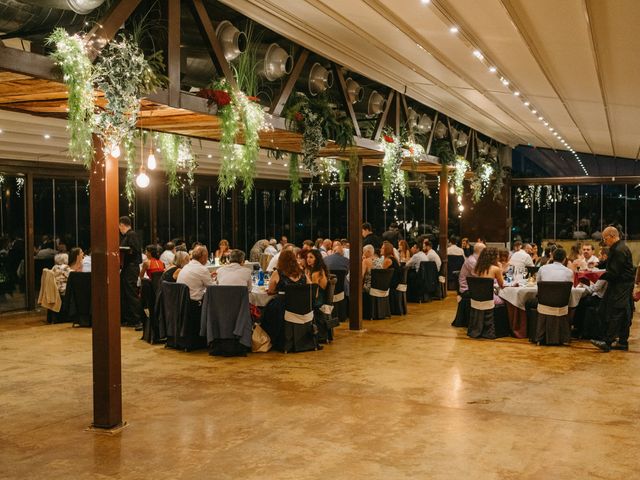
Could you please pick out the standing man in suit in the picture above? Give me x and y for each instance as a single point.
(131, 258)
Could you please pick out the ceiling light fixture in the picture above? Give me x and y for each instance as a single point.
(453, 30)
(493, 69)
(47, 136)
(526, 104)
(534, 111)
(516, 93)
(478, 54)
(504, 81)
(425, 2)
(209, 156)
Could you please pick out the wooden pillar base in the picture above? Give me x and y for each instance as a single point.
(355, 240)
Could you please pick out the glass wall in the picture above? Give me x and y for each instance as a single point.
(574, 211)
(12, 245)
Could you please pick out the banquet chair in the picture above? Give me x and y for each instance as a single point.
(340, 305)
(299, 329)
(454, 264)
(399, 294)
(150, 291)
(323, 315)
(376, 302)
(77, 302)
(486, 319)
(178, 318)
(553, 325)
(423, 285)
(50, 298)
(225, 321)
(463, 311)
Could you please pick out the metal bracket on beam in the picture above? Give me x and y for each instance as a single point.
(278, 104)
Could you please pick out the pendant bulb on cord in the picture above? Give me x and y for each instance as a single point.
(142, 179)
(151, 159)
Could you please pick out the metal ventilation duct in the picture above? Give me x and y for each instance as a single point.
(28, 18)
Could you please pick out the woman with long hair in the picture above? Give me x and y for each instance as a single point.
(76, 256)
(389, 260)
(575, 259)
(287, 272)
(179, 261)
(223, 251)
(318, 273)
(153, 263)
(404, 251)
(488, 266)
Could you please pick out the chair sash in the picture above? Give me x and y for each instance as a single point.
(402, 287)
(374, 292)
(482, 304)
(326, 309)
(299, 318)
(338, 297)
(553, 311)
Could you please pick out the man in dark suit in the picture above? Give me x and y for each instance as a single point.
(369, 238)
(131, 258)
(617, 300)
(337, 260)
(392, 235)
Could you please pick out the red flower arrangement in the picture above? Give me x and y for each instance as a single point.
(219, 97)
(298, 117)
(388, 139)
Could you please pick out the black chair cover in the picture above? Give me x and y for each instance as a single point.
(77, 302)
(454, 264)
(179, 318)
(481, 322)
(325, 321)
(463, 311)
(226, 321)
(423, 285)
(340, 307)
(150, 291)
(299, 337)
(378, 308)
(553, 329)
(398, 298)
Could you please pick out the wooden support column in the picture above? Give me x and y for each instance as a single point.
(355, 240)
(29, 244)
(235, 220)
(444, 220)
(173, 52)
(105, 290)
(397, 125)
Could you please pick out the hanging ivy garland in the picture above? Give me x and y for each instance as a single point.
(177, 153)
(481, 179)
(294, 178)
(392, 177)
(461, 167)
(442, 149)
(77, 70)
(235, 109)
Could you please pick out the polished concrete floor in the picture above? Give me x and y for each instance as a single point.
(409, 397)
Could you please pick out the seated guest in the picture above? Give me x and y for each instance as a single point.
(403, 251)
(195, 275)
(503, 259)
(466, 247)
(555, 271)
(575, 260)
(589, 257)
(346, 246)
(308, 245)
(453, 249)
(152, 264)
(76, 259)
(603, 256)
(369, 261)
(273, 263)
(86, 262)
(545, 258)
(326, 247)
(61, 271)
(488, 267)
(318, 275)
(520, 257)
(271, 249)
(427, 254)
(534, 253)
(235, 273)
(283, 241)
(389, 260)
(168, 254)
(257, 250)
(179, 261)
(337, 260)
(223, 251)
(469, 266)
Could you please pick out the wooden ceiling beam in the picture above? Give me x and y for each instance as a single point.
(287, 89)
(342, 86)
(106, 28)
(382, 119)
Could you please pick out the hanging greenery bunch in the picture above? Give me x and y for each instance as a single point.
(414, 150)
(392, 177)
(129, 149)
(442, 149)
(342, 178)
(77, 70)
(319, 121)
(238, 161)
(177, 154)
(480, 180)
(501, 175)
(423, 185)
(294, 178)
(461, 167)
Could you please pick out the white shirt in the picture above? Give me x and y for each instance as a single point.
(197, 277)
(86, 263)
(593, 260)
(273, 263)
(271, 250)
(167, 258)
(521, 259)
(234, 274)
(454, 250)
(420, 256)
(554, 272)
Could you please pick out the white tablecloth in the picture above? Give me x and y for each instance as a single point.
(518, 296)
(259, 297)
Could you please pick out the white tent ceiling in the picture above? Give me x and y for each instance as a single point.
(577, 62)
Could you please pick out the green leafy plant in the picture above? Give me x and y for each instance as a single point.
(77, 70)
(177, 154)
(392, 177)
(294, 178)
(481, 178)
(457, 175)
(442, 149)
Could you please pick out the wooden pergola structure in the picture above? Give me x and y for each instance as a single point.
(30, 83)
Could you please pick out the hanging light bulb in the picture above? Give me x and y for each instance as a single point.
(459, 198)
(142, 180)
(452, 190)
(151, 161)
(115, 150)
(461, 208)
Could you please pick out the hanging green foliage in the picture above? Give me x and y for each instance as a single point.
(129, 149)
(480, 180)
(77, 70)
(245, 67)
(294, 178)
(461, 166)
(442, 149)
(177, 154)
(342, 178)
(392, 177)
